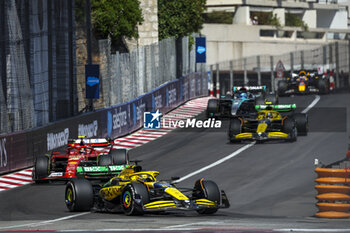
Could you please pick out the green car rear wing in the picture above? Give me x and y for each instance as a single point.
(249, 88)
(98, 171)
(276, 107)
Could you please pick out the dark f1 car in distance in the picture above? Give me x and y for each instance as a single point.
(303, 83)
(241, 103)
(135, 192)
(62, 165)
(269, 124)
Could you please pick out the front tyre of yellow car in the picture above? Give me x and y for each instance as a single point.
(134, 196)
(79, 195)
(207, 189)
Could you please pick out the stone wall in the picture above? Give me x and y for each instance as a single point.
(148, 31)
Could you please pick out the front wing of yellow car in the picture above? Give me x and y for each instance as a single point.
(188, 204)
(261, 136)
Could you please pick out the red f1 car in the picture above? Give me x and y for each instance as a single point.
(62, 165)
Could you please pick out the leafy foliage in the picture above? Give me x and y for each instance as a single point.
(116, 18)
(178, 18)
(294, 21)
(111, 18)
(267, 18)
(221, 17)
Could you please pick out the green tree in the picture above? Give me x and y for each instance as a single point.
(221, 17)
(116, 18)
(178, 18)
(112, 18)
(265, 18)
(294, 21)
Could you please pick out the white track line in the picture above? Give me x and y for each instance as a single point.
(45, 222)
(313, 103)
(217, 162)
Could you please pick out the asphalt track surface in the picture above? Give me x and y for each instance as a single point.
(270, 186)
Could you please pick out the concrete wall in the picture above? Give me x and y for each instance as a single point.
(280, 13)
(310, 18)
(242, 16)
(340, 20)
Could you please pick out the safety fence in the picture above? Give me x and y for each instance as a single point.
(331, 59)
(125, 76)
(37, 56)
(333, 187)
(18, 150)
(43, 52)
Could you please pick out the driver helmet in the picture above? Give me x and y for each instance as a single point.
(269, 115)
(82, 150)
(244, 95)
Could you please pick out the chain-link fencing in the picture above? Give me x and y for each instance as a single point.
(126, 76)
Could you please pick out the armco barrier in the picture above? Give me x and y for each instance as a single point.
(333, 189)
(19, 149)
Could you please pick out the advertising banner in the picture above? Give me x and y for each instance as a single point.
(19, 150)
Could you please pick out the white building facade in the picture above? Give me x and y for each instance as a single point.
(327, 21)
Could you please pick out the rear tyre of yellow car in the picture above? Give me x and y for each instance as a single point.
(79, 195)
(207, 189)
(134, 197)
(289, 128)
(105, 160)
(323, 86)
(302, 123)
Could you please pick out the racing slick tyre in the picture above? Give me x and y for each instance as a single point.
(79, 195)
(119, 156)
(105, 160)
(235, 128)
(207, 189)
(282, 87)
(302, 123)
(212, 107)
(323, 86)
(289, 127)
(260, 101)
(41, 168)
(271, 98)
(134, 196)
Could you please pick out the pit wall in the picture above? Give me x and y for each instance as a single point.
(18, 150)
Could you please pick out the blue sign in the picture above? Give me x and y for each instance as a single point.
(151, 120)
(92, 81)
(201, 50)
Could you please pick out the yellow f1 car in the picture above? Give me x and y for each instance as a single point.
(269, 125)
(135, 192)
